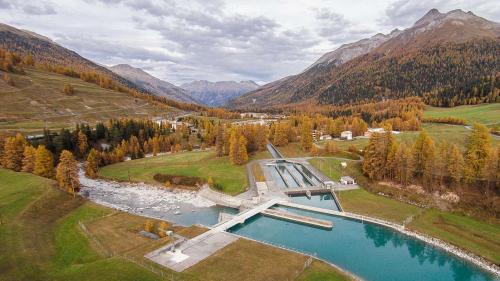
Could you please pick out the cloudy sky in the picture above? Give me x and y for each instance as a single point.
(186, 40)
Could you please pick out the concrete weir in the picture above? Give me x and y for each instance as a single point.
(298, 218)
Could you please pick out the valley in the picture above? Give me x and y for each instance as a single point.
(222, 141)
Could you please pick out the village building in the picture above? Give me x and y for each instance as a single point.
(347, 180)
(346, 135)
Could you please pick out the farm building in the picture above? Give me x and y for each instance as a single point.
(346, 135)
(347, 180)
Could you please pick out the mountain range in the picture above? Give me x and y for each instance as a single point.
(446, 58)
(152, 84)
(218, 93)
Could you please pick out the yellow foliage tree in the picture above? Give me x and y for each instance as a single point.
(13, 152)
(44, 162)
(29, 157)
(67, 172)
(92, 166)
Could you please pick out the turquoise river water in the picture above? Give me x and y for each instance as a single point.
(369, 251)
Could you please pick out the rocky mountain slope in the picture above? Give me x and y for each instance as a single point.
(218, 93)
(47, 51)
(152, 84)
(447, 58)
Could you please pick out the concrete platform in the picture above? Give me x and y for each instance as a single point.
(298, 218)
(191, 252)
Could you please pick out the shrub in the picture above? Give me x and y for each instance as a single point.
(149, 226)
(178, 180)
(68, 89)
(6, 77)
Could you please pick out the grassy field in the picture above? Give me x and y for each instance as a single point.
(38, 100)
(487, 114)
(260, 262)
(199, 164)
(476, 236)
(329, 166)
(41, 240)
(451, 133)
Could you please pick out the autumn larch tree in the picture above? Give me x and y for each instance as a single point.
(13, 152)
(44, 162)
(306, 139)
(219, 141)
(29, 157)
(242, 155)
(455, 164)
(67, 172)
(478, 150)
(92, 165)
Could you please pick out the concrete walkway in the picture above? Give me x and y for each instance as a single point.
(204, 245)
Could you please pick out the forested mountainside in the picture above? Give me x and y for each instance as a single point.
(448, 59)
(152, 84)
(218, 93)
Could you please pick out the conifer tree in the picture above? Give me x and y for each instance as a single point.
(92, 165)
(155, 145)
(219, 141)
(422, 154)
(67, 172)
(478, 150)
(44, 162)
(233, 146)
(29, 157)
(82, 144)
(455, 164)
(242, 156)
(306, 139)
(13, 152)
(314, 150)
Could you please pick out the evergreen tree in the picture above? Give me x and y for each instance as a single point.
(67, 172)
(44, 162)
(29, 157)
(82, 144)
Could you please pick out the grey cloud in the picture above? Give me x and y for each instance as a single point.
(103, 50)
(336, 28)
(5, 4)
(44, 9)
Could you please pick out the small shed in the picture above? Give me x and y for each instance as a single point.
(261, 187)
(346, 180)
(343, 164)
(346, 135)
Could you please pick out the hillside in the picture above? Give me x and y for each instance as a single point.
(447, 58)
(37, 99)
(152, 84)
(45, 50)
(218, 93)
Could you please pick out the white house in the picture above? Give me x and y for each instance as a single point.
(346, 180)
(346, 135)
(371, 131)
